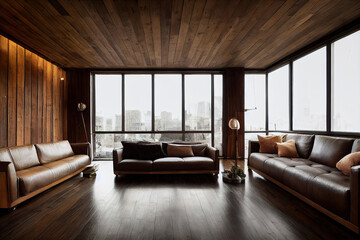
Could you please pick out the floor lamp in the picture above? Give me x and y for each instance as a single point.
(81, 108)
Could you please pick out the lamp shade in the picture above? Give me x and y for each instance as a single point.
(234, 124)
(81, 107)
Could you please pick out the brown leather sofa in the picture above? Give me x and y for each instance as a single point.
(26, 171)
(168, 165)
(313, 177)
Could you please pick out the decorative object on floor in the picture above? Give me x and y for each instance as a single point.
(235, 174)
(90, 170)
(81, 107)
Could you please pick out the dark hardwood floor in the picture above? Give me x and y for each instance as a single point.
(166, 207)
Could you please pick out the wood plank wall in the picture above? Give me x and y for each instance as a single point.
(78, 85)
(32, 96)
(233, 107)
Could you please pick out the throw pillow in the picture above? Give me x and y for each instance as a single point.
(287, 149)
(199, 149)
(268, 144)
(130, 150)
(149, 151)
(345, 164)
(179, 151)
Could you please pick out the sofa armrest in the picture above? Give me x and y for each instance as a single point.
(8, 184)
(213, 153)
(355, 195)
(254, 146)
(117, 157)
(81, 148)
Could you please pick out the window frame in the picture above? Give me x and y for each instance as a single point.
(153, 131)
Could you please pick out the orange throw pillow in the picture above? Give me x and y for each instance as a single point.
(287, 149)
(345, 164)
(268, 144)
(179, 151)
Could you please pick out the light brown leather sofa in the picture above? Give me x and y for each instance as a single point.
(26, 171)
(313, 177)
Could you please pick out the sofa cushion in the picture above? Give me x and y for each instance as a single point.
(356, 146)
(168, 164)
(257, 160)
(24, 157)
(135, 165)
(34, 178)
(130, 150)
(287, 149)
(329, 150)
(198, 163)
(303, 143)
(197, 147)
(331, 190)
(350, 160)
(179, 151)
(150, 151)
(77, 161)
(59, 169)
(49, 152)
(268, 144)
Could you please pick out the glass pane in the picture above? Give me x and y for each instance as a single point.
(198, 137)
(218, 112)
(138, 102)
(309, 91)
(255, 102)
(168, 102)
(279, 99)
(198, 102)
(104, 145)
(168, 137)
(108, 102)
(346, 84)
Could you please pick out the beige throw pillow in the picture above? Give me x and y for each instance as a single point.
(179, 151)
(268, 144)
(287, 149)
(345, 164)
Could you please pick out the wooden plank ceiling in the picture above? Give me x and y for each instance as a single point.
(171, 34)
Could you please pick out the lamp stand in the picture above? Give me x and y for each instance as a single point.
(83, 121)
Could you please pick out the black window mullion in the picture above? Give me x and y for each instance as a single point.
(267, 103)
(152, 102)
(212, 110)
(329, 52)
(183, 106)
(123, 102)
(291, 96)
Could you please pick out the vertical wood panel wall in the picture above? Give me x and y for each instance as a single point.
(32, 108)
(233, 107)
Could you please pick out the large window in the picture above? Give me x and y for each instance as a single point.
(309, 92)
(138, 102)
(198, 102)
(167, 102)
(255, 102)
(278, 94)
(346, 84)
(157, 107)
(108, 102)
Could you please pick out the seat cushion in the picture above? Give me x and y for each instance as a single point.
(303, 143)
(135, 165)
(34, 178)
(49, 152)
(198, 163)
(332, 191)
(168, 164)
(77, 161)
(59, 169)
(329, 150)
(257, 160)
(24, 157)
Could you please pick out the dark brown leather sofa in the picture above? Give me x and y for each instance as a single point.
(313, 177)
(168, 165)
(26, 171)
